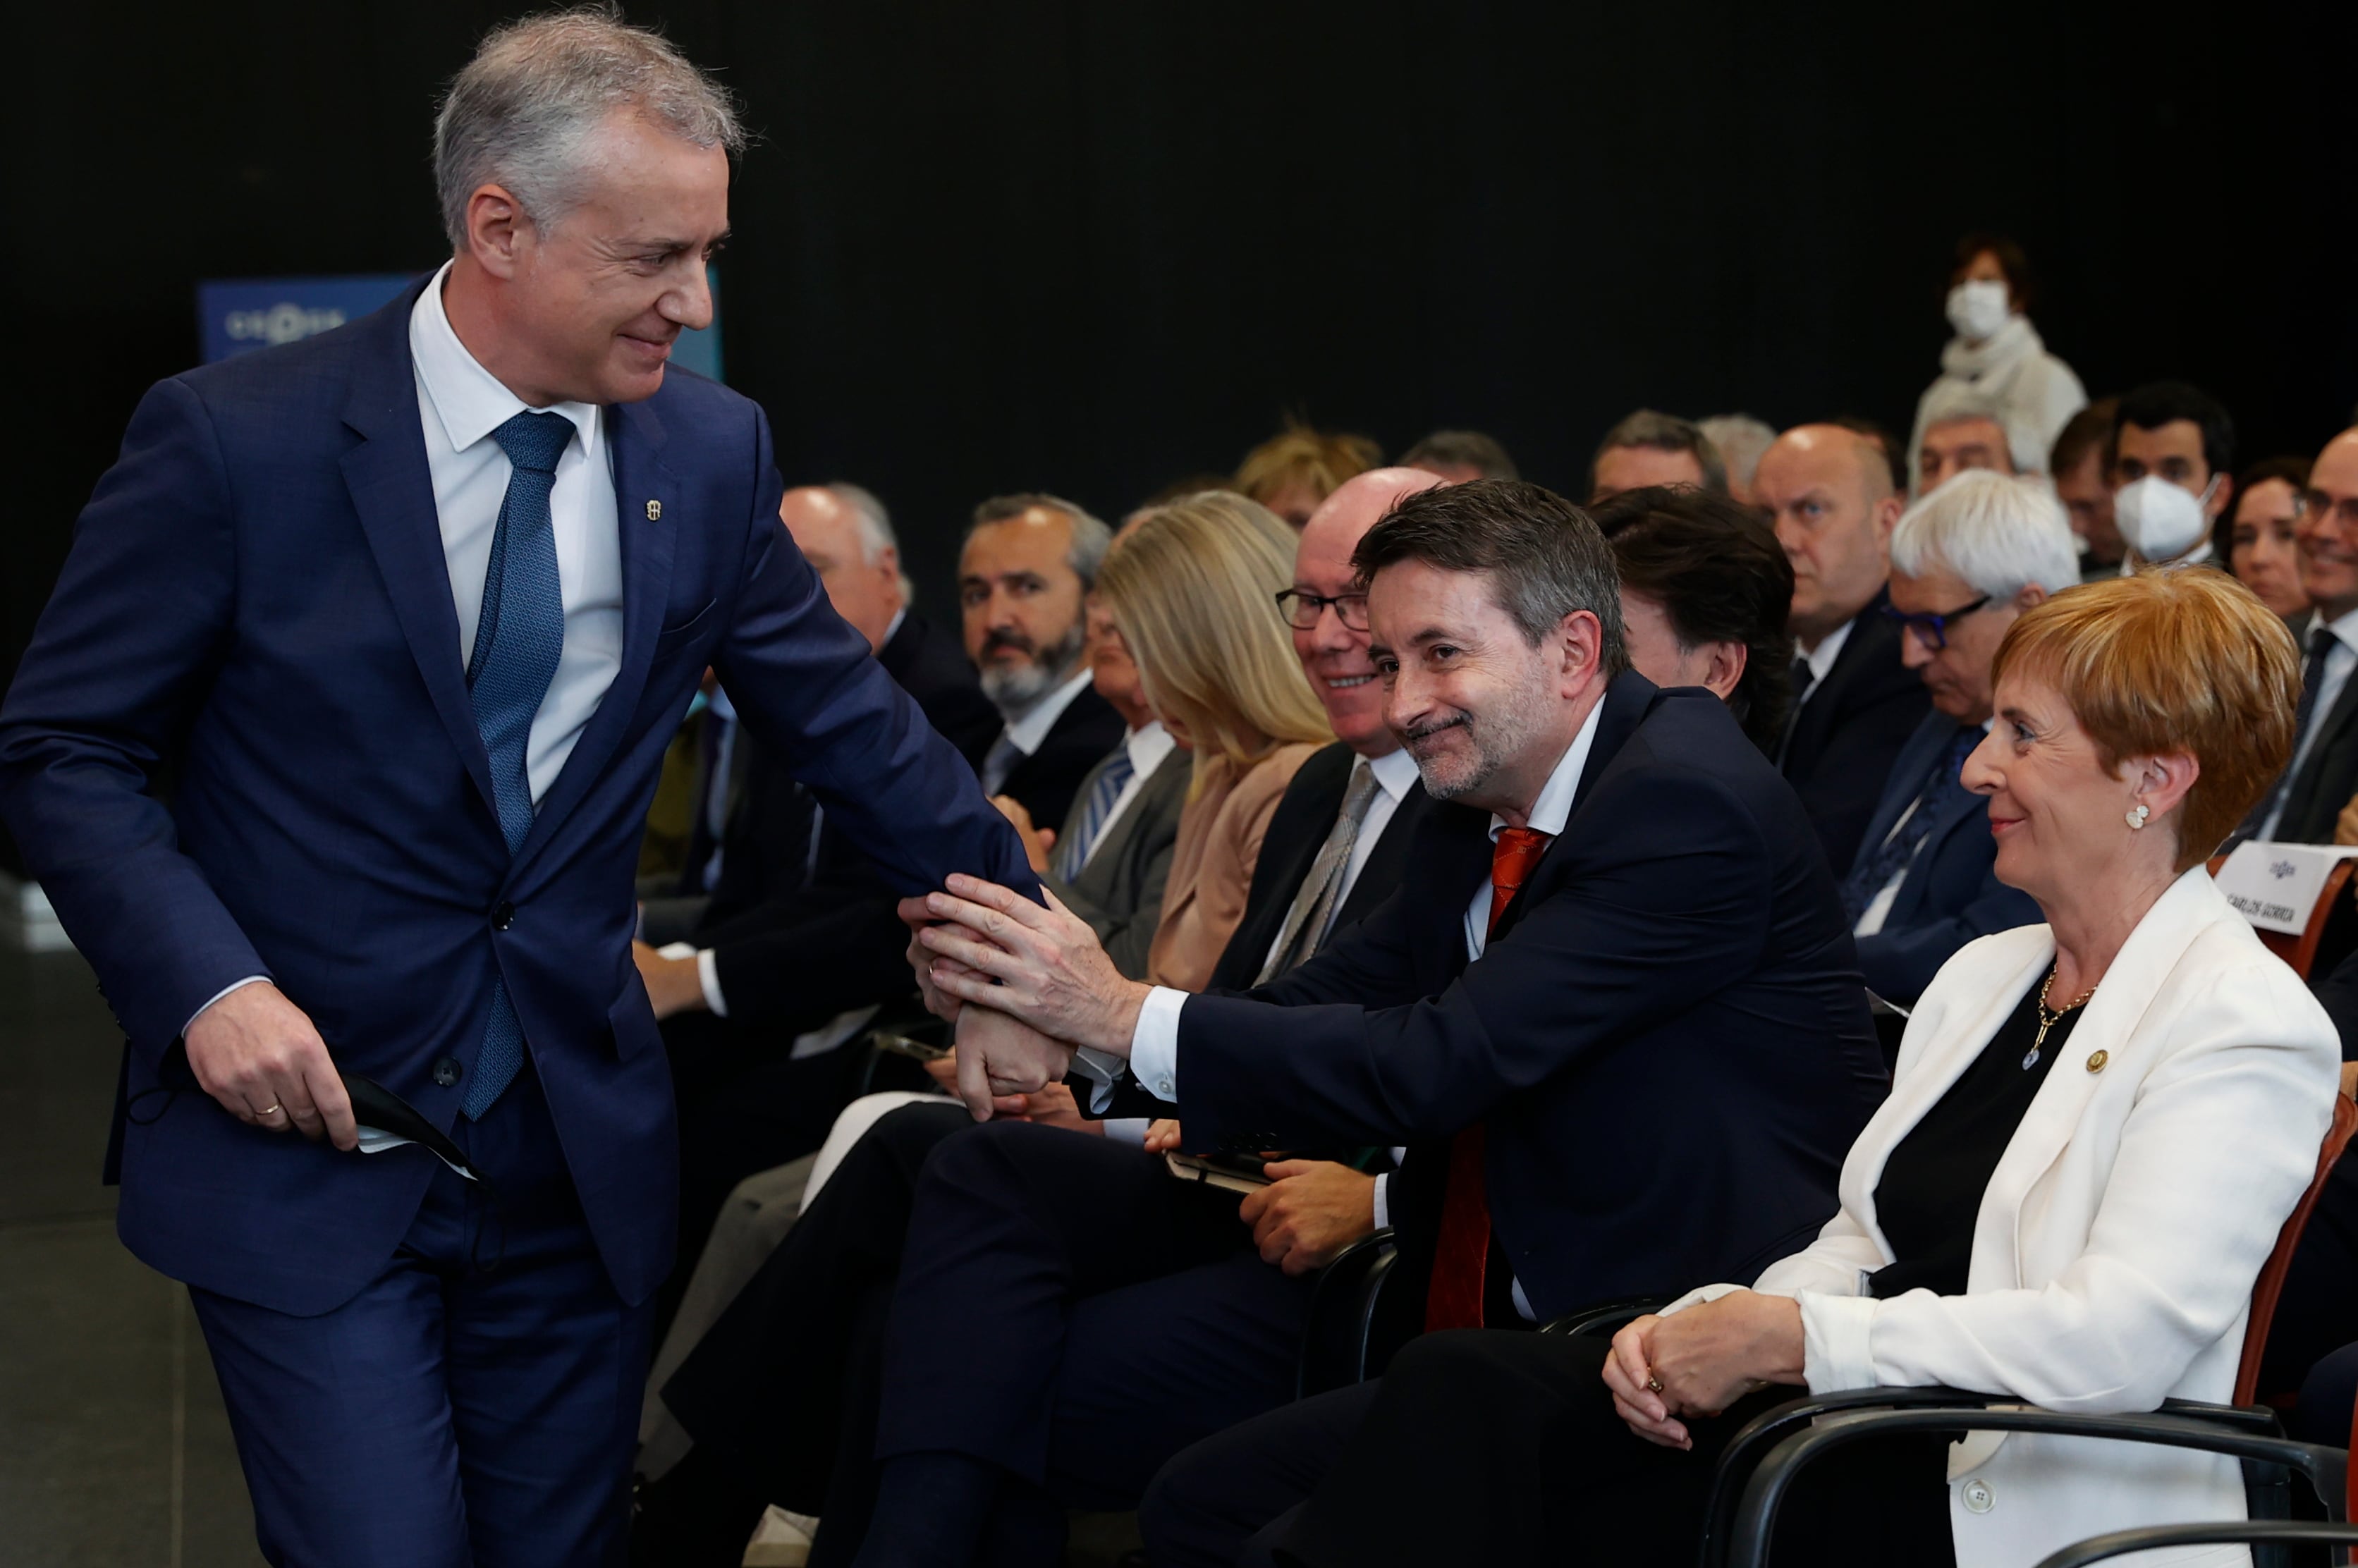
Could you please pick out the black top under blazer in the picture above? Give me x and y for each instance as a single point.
(1667, 1039)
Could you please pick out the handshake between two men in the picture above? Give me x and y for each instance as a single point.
(1040, 987)
(1028, 986)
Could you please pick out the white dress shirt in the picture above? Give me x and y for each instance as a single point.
(460, 403)
(2340, 660)
(1028, 732)
(1148, 746)
(1822, 658)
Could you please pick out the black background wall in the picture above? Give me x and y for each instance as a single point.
(1093, 245)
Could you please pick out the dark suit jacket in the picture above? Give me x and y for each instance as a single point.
(1303, 819)
(1846, 736)
(1046, 781)
(257, 598)
(795, 927)
(1950, 894)
(1119, 892)
(2328, 775)
(1667, 1041)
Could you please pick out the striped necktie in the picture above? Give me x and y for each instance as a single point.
(1113, 776)
(1321, 892)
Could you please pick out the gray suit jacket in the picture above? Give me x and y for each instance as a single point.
(1119, 892)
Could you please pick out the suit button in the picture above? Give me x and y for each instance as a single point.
(447, 1070)
(503, 916)
(1977, 1497)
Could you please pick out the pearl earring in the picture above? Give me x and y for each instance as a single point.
(2136, 816)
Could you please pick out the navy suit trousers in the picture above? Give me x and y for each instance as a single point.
(476, 1403)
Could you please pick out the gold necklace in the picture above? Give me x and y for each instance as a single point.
(2048, 1019)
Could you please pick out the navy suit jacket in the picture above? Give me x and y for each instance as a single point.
(1951, 894)
(256, 601)
(1846, 736)
(1667, 1039)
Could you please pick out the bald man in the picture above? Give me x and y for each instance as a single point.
(1193, 1311)
(1829, 493)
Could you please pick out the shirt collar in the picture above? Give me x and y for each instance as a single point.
(1822, 657)
(1147, 746)
(2344, 629)
(1394, 770)
(893, 627)
(468, 401)
(1553, 807)
(1027, 732)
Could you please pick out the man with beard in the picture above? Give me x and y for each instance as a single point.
(1028, 562)
(1611, 1011)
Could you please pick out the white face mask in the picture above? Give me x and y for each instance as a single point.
(2161, 520)
(1977, 310)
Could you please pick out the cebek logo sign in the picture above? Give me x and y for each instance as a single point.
(236, 315)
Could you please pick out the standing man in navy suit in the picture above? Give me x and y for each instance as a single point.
(411, 610)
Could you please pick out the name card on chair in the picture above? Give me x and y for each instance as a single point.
(2277, 886)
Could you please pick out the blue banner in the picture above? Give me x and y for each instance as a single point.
(237, 314)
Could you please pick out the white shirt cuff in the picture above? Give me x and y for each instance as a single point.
(1129, 1129)
(1383, 1201)
(232, 986)
(1155, 1043)
(707, 976)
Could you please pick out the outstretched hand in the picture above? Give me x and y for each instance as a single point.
(1043, 964)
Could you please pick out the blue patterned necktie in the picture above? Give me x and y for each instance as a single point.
(1074, 852)
(1892, 856)
(518, 637)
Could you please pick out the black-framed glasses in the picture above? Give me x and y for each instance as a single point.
(1933, 630)
(1302, 610)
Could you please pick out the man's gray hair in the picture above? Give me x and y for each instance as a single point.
(1664, 433)
(1740, 439)
(1999, 533)
(1091, 538)
(875, 526)
(523, 112)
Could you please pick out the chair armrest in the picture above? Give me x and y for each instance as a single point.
(2252, 1533)
(1606, 1318)
(1342, 1310)
(1765, 1490)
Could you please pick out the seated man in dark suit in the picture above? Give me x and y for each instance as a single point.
(1829, 492)
(1966, 561)
(1612, 1010)
(2323, 774)
(785, 1379)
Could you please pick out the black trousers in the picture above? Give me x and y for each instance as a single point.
(1503, 1449)
(787, 1376)
(1071, 1314)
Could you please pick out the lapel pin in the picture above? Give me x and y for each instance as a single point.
(655, 511)
(2096, 1060)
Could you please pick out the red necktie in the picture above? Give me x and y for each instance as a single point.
(1453, 1299)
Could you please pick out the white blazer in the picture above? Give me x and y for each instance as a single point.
(2118, 1239)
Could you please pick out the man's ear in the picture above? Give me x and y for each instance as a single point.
(497, 230)
(1580, 640)
(1724, 671)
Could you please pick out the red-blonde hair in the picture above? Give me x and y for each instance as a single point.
(2168, 661)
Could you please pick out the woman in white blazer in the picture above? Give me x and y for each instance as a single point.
(2096, 1129)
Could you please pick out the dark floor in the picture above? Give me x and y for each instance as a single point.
(114, 1452)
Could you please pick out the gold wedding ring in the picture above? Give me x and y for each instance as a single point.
(1653, 1381)
(270, 1109)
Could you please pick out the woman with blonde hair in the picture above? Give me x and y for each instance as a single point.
(1189, 586)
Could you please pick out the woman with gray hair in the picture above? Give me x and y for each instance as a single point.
(1966, 561)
